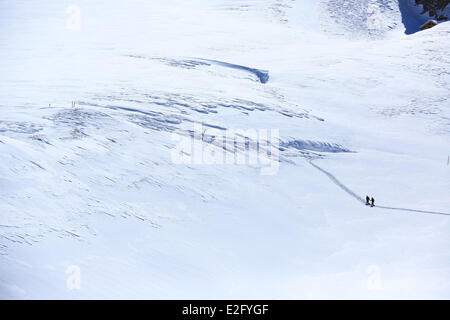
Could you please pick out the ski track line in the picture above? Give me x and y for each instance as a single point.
(354, 195)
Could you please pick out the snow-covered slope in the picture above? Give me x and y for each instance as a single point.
(360, 108)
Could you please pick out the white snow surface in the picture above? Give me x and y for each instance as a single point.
(94, 186)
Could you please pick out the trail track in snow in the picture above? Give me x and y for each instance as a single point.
(337, 182)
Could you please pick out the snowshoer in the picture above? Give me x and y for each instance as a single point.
(367, 200)
(372, 202)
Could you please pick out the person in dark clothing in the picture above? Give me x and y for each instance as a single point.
(372, 202)
(367, 200)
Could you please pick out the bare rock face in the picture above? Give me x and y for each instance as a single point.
(435, 8)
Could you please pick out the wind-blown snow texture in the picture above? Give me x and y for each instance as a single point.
(361, 107)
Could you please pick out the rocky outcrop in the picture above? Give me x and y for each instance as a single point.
(435, 8)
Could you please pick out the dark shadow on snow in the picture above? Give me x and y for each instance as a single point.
(192, 63)
(314, 146)
(411, 18)
(263, 75)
